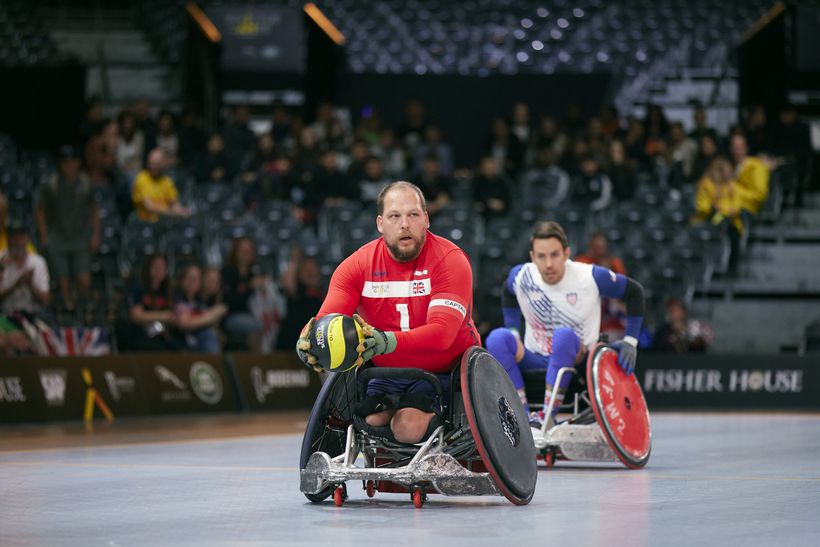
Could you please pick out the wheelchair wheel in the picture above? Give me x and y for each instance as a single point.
(327, 427)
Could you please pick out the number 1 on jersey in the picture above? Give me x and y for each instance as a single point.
(404, 316)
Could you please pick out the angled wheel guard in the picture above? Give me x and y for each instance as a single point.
(616, 428)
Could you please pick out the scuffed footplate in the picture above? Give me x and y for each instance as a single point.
(445, 473)
(578, 442)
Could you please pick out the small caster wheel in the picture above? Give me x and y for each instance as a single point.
(370, 488)
(549, 458)
(419, 497)
(339, 495)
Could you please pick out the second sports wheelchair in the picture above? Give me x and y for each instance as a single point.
(610, 419)
(481, 445)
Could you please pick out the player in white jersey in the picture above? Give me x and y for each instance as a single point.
(560, 301)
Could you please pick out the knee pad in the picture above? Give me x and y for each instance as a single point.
(501, 341)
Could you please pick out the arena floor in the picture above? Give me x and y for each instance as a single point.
(713, 479)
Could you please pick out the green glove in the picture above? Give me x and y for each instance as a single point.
(376, 342)
(303, 348)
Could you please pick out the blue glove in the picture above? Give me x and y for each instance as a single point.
(627, 353)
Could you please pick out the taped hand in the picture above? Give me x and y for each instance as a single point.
(303, 347)
(376, 342)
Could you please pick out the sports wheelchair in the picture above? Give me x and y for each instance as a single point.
(480, 445)
(610, 419)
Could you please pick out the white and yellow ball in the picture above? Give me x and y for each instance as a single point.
(334, 340)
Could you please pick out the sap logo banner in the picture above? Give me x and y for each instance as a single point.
(53, 382)
(11, 390)
(266, 381)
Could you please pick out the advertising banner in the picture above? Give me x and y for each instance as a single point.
(69, 388)
(185, 382)
(275, 382)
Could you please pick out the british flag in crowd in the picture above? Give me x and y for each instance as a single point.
(86, 341)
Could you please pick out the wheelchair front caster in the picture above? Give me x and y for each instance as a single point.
(419, 497)
(339, 495)
(370, 488)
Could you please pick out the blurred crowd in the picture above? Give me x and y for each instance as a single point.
(146, 161)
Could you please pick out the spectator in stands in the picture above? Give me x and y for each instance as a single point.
(238, 136)
(682, 151)
(151, 317)
(707, 152)
(610, 122)
(598, 142)
(260, 174)
(635, 142)
(68, 222)
(212, 287)
(24, 276)
(679, 334)
(307, 151)
(130, 145)
(192, 137)
(240, 277)
(498, 144)
(215, 165)
(591, 187)
(791, 140)
(374, 179)
(392, 155)
(194, 318)
(550, 136)
(331, 185)
(751, 174)
(577, 152)
(435, 186)
(700, 126)
(491, 190)
(155, 194)
(94, 119)
(167, 139)
(354, 164)
(718, 200)
(4, 221)
(145, 123)
(434, 144)
(302, 284)
(520, 135)
(550, 183)
(325, 118)
(598, 253)
(613, 312)
(13, 341)
(281, 125)
(621, 170)
(369, 126)
(415, 122)
(757, 130)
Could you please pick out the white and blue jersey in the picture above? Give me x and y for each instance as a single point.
(574, 303)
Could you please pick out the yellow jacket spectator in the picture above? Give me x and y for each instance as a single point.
(154, 193)
(718, 196)
(4, 219)
(751, 174)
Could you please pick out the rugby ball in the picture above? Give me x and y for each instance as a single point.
(333, 341)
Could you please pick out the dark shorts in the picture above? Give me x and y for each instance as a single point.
(393, 394)
(68, 262)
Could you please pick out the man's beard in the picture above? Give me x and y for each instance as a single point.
(408, 254)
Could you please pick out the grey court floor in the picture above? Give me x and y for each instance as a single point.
(713, 479)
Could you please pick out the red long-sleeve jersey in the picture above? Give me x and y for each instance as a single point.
(427, 302)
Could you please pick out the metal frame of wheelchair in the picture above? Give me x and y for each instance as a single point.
(614, 426)
(451, 461)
